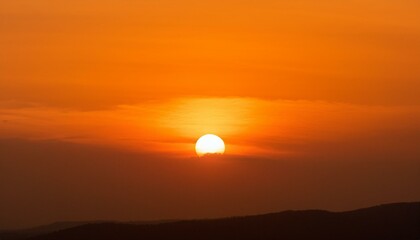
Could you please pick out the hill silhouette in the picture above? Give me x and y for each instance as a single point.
(399, 221)
(44, 229)
(57, 226)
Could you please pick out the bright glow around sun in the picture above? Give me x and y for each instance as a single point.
(209, 144)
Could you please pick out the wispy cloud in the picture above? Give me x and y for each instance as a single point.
(249, 126)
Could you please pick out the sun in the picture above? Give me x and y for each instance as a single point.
(209, 144)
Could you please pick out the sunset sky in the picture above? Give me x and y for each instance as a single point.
(102, 101)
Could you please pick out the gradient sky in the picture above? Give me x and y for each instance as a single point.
(101, 103)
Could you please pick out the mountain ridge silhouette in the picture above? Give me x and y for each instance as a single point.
(397, 221)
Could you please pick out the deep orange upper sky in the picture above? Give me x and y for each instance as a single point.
(101, 103)
(59, 53)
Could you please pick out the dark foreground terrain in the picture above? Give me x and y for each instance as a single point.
(399, 221)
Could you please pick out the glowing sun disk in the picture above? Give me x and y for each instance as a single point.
(209, 144)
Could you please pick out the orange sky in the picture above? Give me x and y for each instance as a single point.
(311, 98)
(127, 51)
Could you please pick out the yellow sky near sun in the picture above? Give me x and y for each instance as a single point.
(248, 126)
